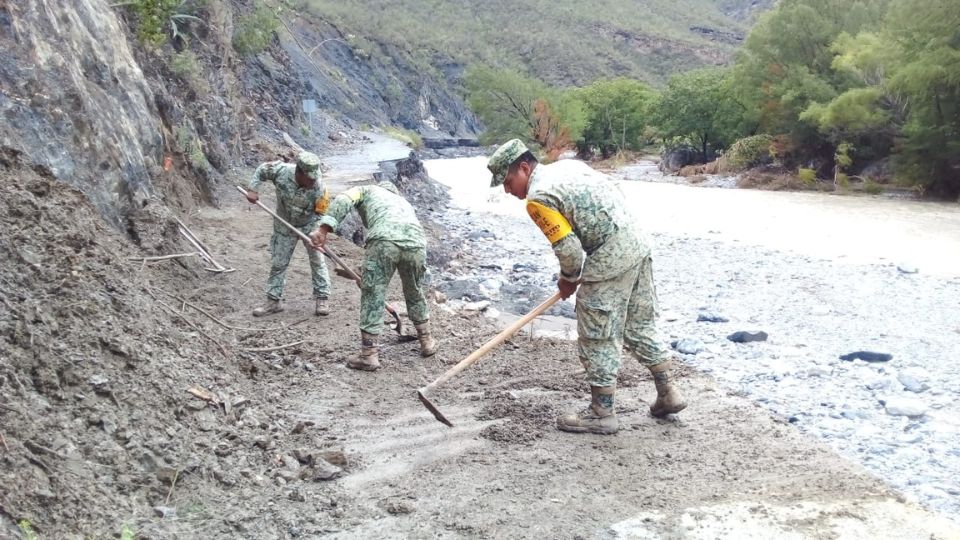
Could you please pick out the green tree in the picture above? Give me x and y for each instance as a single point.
(927, 72)
(513, 105)
(699, 106)
(787, 61)
(616, 113)
(906, 94)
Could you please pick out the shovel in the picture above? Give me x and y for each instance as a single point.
(424, 393)
(346, 269)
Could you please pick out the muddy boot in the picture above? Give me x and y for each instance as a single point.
(599, 417)
(272, 306)
(669, 400)
(369, 359)
(428, 345)
(321, 308)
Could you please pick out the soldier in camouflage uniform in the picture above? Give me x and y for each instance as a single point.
(395, 242)
(301, 199)
(601, 251)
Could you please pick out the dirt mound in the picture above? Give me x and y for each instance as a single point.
(95, 367)
(525, 417)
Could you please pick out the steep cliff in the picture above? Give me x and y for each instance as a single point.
(75, 100)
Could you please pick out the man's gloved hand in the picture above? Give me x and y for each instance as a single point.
(567, 288)
(252, 196)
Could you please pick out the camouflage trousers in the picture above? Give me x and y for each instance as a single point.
(281, 250)
(617, 312)
(380, 261)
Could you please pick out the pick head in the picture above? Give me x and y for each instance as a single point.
(430, 407)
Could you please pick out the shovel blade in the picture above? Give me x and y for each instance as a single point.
(433, 409)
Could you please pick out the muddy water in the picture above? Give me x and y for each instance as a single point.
(818, 272)
(852, 229)
(359, 163)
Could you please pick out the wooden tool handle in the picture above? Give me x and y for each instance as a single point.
(306, 239)
(494, 341)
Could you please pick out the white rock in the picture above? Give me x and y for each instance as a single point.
(491, 313)
(476, 306)
(907, 268)
(690, 346)
(903, 406)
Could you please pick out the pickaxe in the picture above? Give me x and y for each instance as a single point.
(423, 393)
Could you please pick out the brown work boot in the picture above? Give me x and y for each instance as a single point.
(428, 345)
(599, 417)
(272, 306)
(669, 400)
(321, 308)
(369, 359)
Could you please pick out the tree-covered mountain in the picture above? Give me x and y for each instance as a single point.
(562, 42)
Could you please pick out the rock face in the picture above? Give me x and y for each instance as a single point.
(76, 102)
(384, 88)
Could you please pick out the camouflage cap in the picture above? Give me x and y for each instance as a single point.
(309, 164)
(503, 158)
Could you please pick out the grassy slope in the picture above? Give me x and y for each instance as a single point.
(561, 41)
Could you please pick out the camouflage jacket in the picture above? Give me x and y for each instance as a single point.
(386, 215)
(299, 207)
(597, 221)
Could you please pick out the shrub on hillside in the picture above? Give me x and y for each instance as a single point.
(749, 152)
(255, 31)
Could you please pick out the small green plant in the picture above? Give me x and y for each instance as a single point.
(191, 146)
(842, 160)
(155, 16)
(27, 529)
(807, 176)
(872, 187)
(126, 533)
(749, 152)
(255, 31)
(406, 136)
(186, 66)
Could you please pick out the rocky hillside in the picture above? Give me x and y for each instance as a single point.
(563, 42)
(125, 118)
(137, 100)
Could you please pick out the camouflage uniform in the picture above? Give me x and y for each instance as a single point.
(301, 208)
(616, 303)
(597, 242)
(395, 242)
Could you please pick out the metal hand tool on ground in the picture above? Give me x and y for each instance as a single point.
(329, 253)
(424, 393)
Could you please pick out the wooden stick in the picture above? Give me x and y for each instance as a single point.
(206, 256)
(493, 342)
(205, 395)
(4, 441)
(218, 321)
(176, 474)
(190, 323)
(163, 257)
(277, 348)
(191, 233)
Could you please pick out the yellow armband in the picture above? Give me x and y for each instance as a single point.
(322, 203)
(554, 226)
